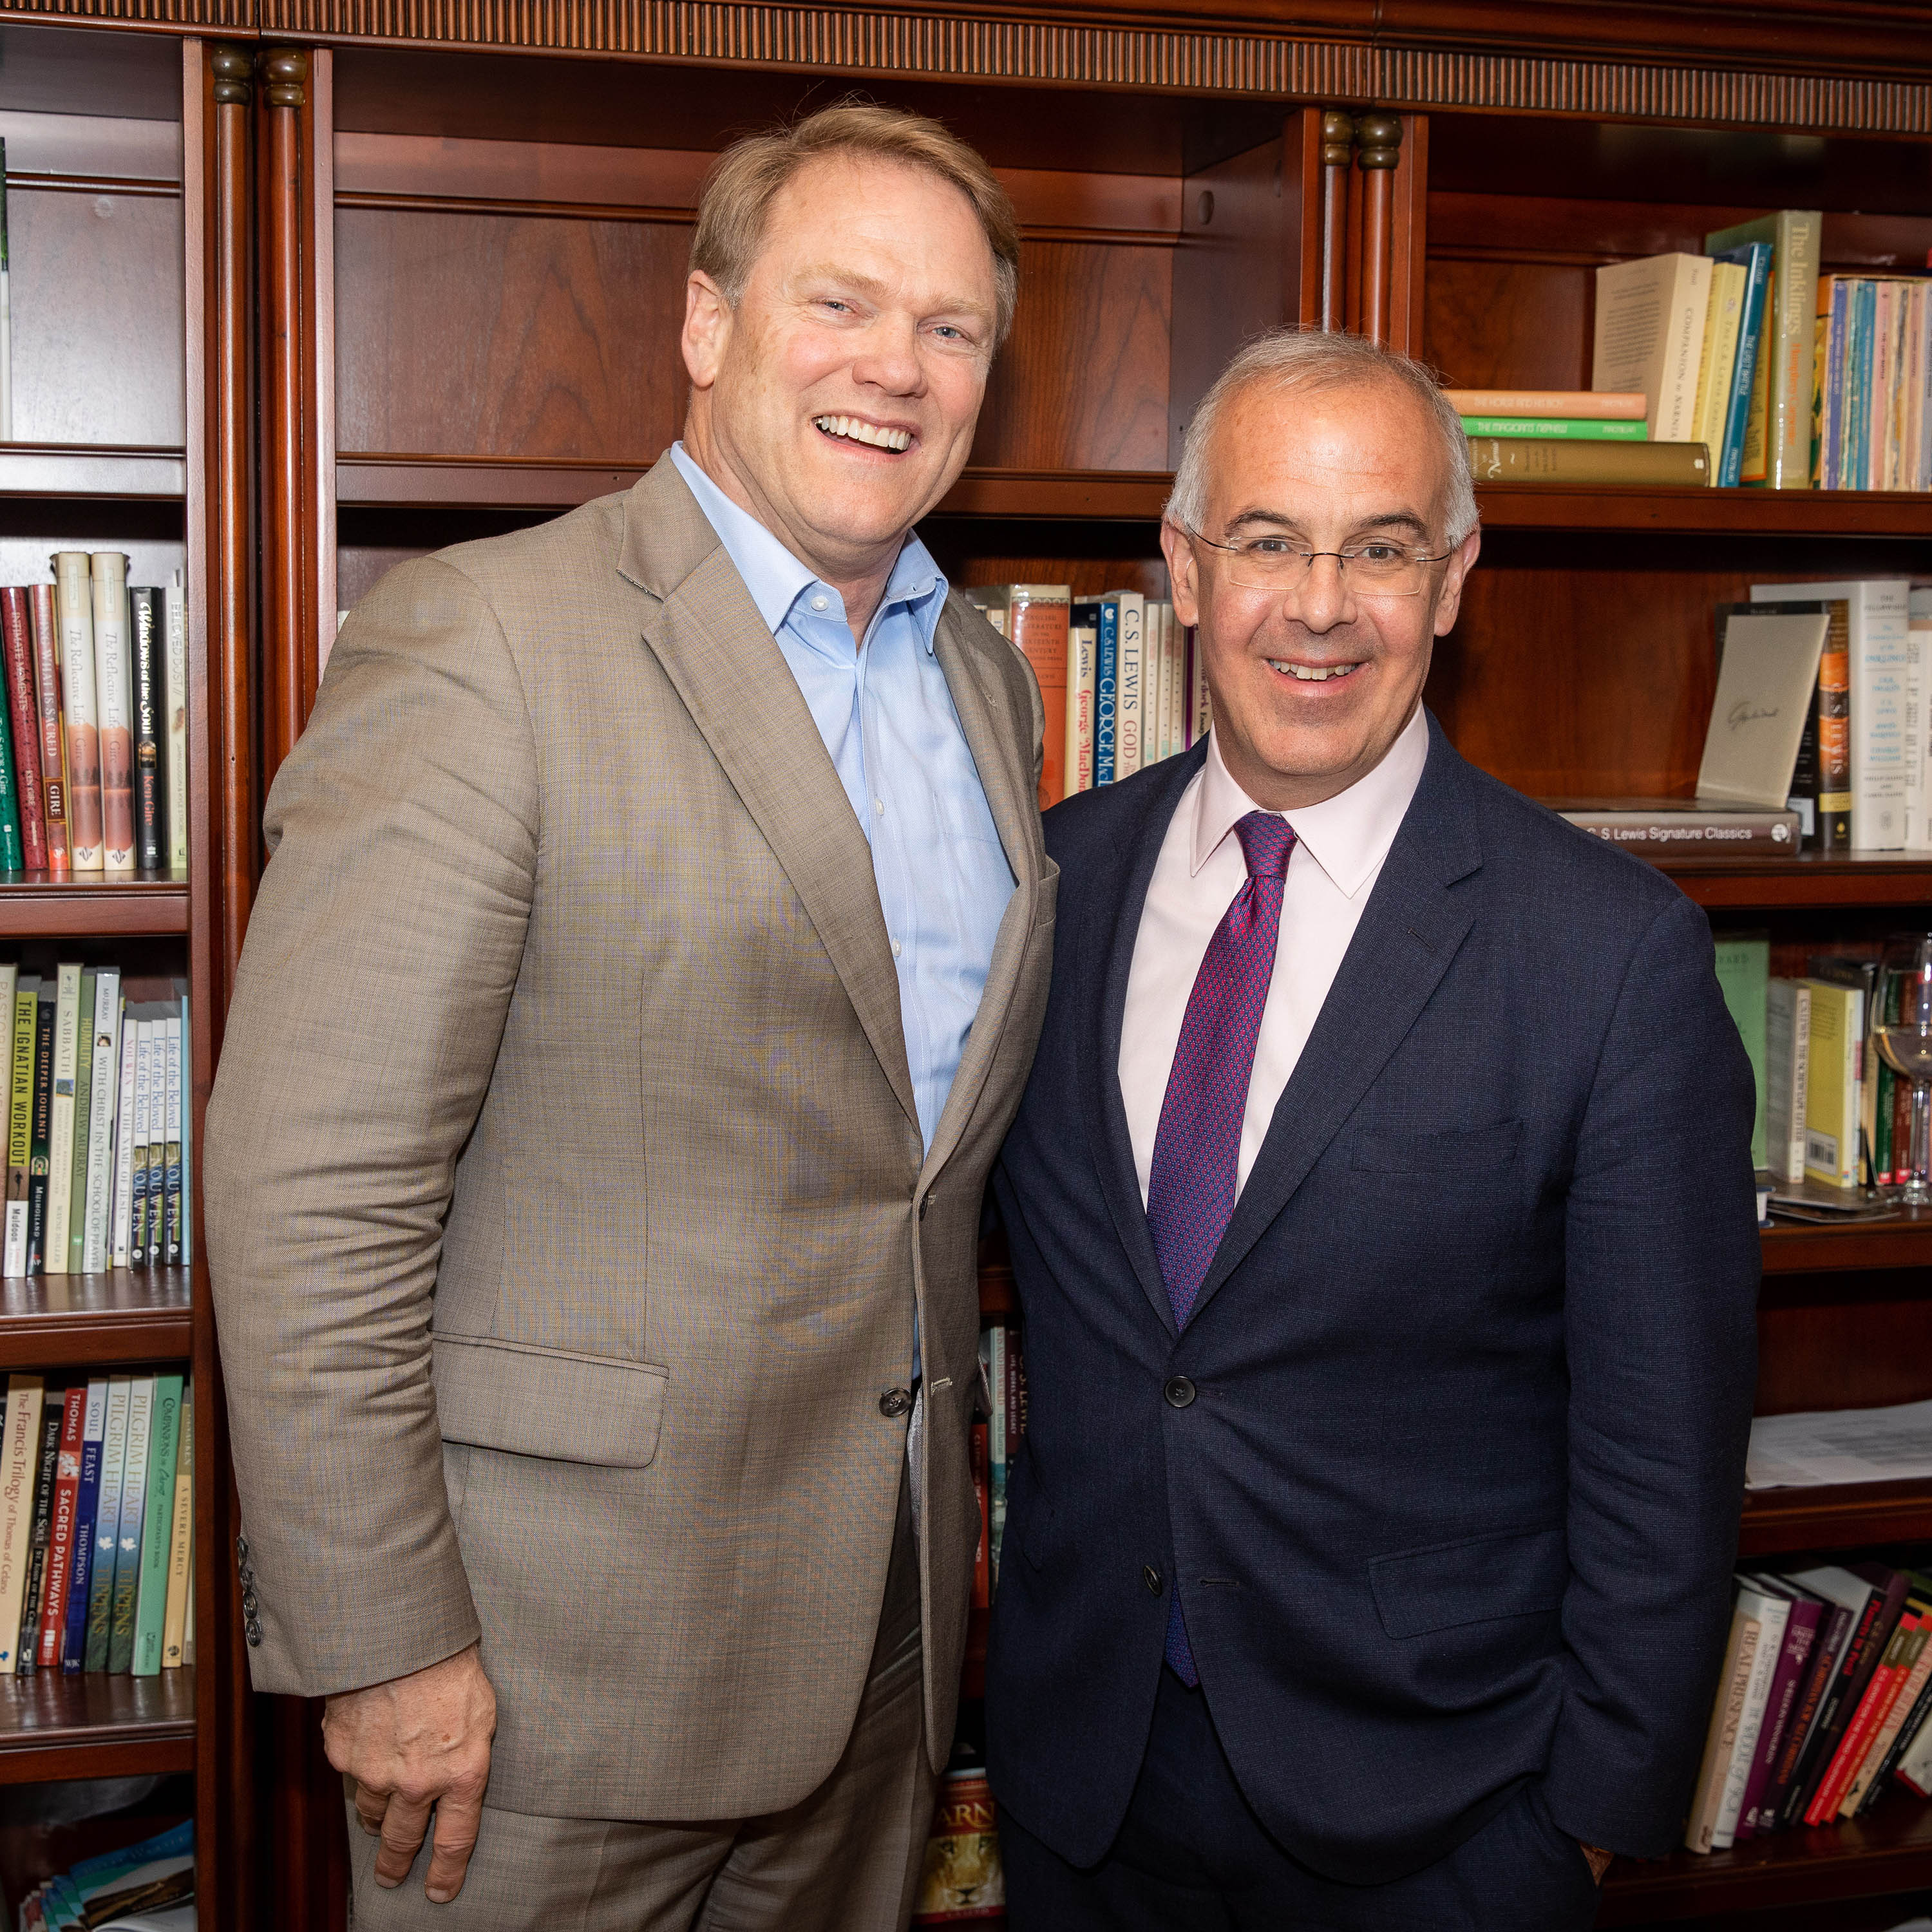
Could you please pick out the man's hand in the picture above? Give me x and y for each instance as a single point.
(1599, 1858)
(412, 1744)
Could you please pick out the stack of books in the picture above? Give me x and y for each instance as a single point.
(1872, 429)
(1823, 1700)
(144, 1888)
(99, 1161)
(1117, 677)
(96, 1526)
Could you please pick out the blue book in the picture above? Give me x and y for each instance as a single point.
(1755, 260)
(107, 1521)
(1832, 462)
(1858, 389)
(86, 1506)
(1106, 681)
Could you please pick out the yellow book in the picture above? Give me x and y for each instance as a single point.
(1831, 1088)
(1722, 321)
(26, 1007)
(174, 1620)
(1756, 466)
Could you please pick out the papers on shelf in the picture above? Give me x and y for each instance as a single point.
(1839, 1445)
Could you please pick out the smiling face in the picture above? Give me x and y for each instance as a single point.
(837, 401)
(1311, 687)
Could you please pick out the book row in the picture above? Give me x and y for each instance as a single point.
(995, 1443)
(97, 1525)
(139, 1888)
(99, 1121)
(1822, 1702)
(1117, 678)
(94, 742)
(1872, 429)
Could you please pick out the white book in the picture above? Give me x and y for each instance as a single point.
(1723, 324)
(98, 1235)
(1720, 1739)
(1200, 704)
(1130, 683)
(1156, 735)
(185, 1116)
(176, 1138)
(134, 1483)
(1773, 1611)
(1650, 336)
(1919, 716)
(174, 706)
(73, 605)
(60, 1146)
(1177, 684)
(20, 1458)
(1081, 641)
(143, 1030)
(6, 316)
(1787, 1055)
(114, 694)
(1877, 622)
(123, 1145)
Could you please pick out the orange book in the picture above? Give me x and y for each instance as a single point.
(1602, 405)
(1033, 618)
(1895, 1666)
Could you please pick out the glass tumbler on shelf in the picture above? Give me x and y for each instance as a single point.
(1903, 1031)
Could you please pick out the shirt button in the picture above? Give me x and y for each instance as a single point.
(1179, 1392)
(818, 603)
(896, 949)
(879, 806)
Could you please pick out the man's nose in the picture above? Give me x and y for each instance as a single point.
(1320, 597)
(888, 357)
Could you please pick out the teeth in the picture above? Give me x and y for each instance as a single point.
(855, 430)
(1312, 674)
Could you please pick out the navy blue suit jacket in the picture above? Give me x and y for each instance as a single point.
(1456, 1502)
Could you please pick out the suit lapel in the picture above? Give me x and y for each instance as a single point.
(732, 679)
(961, 644)
(1410, 930)
(1106, 960)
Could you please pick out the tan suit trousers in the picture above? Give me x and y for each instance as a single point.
(846, 1859)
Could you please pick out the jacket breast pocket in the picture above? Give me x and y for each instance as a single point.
(552, 1402)
(1481, 1579)
(1473, 1152)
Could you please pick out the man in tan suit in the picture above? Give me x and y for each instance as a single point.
(649, 965)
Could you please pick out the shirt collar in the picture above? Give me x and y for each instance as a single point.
(1348, 835)
(777, 579)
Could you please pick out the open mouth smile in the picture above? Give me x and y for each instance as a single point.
(855, 429)
(1312, 673)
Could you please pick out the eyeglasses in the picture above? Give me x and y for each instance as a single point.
(1375, 568)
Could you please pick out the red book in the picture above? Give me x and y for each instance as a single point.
(16, 648)
(53, 733)
(983, 1574)
(60, 1540)
(1885, 1683)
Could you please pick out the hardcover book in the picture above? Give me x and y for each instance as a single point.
(73, 598)
(1767, 676)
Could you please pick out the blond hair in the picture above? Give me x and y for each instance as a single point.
(1297, 358)
(739, 191)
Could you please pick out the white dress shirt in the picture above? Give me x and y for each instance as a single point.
(1340, 845)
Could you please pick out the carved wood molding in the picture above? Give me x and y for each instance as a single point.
(185, 16)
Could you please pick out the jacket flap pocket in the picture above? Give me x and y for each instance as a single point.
(552, 1402)
(1439, 1153)
(1514, 1574)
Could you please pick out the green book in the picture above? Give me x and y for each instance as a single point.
(1744, 973)
(83, 1089)
(134, 1509)
(151, 1604)
(13, 853)
(1584, 429)
(107, 1521)
(1794, 234)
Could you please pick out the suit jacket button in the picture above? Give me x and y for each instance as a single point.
(1179, 1392)
(896, 1403)
(1150, 1577)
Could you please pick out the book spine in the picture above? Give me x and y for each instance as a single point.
(1836, 818)
(114, 694)
(1587, 429)
(73, 598)
(133, 1506)
(1129, 685)
(60, 1141)
(1872, 1709)
(17, 657)
(1720, 1741)
(1106, 672)
(151, 1594)
(983, 1575)
(183, 1012)
(1908, 1731)
(174, 1139)
(86, 1519)
(42, 1132)
(1495, 459)
(174, 698)
(158, 1139)
(1879, 624)
(83, 1101)
(151, 803)
(107, 1521)
(1840, 1700)
(40, 1536)
(19, 1444)
(1794, 301)
(174, 1621)
(26, 1009)
(1912, 1680)
(1628, 406)
(143, 1032)
(1036, 618)
(1835, 1629)
(48, 704)
(12, 852)
(1801, 1632)
(1079, 707)
(1765, 834)
(1752, 329)
(1837, 349)
(1201, 707)
(105, 1092)
(60, 1533)
(1772, 1615)
(120, 1250)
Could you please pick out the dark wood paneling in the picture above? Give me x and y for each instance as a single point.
(1506, 325)
(1847, 1352)
(97, 314)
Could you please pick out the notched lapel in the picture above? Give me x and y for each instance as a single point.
(1413, 926)
(741, 694)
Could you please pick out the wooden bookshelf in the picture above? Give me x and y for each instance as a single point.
(74, 1321)
(92, 1724)
(35, 904)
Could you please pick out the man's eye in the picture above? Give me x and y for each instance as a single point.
(1381, 553)
(832, 301)
(1271, 546)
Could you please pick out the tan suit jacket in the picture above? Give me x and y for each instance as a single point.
(564, 1193)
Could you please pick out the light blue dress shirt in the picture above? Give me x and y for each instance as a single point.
(887, 719)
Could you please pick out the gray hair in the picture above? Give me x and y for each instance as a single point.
(1295, 358)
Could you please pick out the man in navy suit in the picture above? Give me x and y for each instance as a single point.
(1381, 1213)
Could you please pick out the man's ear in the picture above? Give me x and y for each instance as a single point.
(707, 328)
(1180, 573)
(1460, 565)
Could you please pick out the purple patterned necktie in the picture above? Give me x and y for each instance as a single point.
(1197, 1148)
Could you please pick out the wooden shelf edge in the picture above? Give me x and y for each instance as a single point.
(1797, 1247)
(1776, 1521)
(88, 470)
(1695, 510)
(37, 907)
(96, 1726)
(76, 1321)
